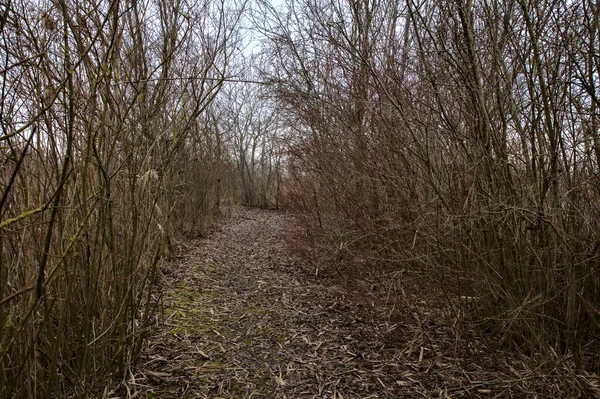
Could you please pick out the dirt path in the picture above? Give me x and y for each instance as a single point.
(243, 318)
(242, 321)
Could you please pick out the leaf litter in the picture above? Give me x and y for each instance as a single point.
(243, 316)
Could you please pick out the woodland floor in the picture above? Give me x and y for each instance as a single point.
(241, 316)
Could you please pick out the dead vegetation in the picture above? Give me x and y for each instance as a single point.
(457, 141)
(107, 154)
(241, 316)
(442, 160)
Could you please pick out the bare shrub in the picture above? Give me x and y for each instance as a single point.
(104, 155)
(459, 138)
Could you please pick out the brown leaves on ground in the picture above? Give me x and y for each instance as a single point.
(242, 317)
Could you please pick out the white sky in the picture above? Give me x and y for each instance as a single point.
(254, 43)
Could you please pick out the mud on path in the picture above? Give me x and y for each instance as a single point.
(241, 317)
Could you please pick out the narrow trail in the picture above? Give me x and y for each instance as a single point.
(242, 318)
(242, 321)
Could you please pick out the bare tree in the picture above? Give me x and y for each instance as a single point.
(458, 136)
(102, 104)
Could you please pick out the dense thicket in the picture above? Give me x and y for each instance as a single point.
(255, 141)
(459, 137)
(107, 151)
